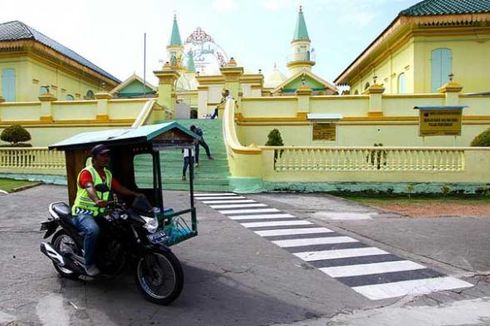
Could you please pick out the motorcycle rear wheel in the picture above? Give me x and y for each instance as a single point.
(60, 239)
(159, 277)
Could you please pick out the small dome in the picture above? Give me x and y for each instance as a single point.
(274, 78)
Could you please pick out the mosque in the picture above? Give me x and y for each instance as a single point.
(420, 89)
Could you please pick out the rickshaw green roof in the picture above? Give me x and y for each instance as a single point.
(141, 134)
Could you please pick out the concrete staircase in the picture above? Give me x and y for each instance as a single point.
(211, 175)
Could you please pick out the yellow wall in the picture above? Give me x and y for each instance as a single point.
(470, 61)
(470, 66)
(389, 69)
(32, 74)
(395, 125)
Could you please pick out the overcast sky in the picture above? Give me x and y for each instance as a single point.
(256, 32)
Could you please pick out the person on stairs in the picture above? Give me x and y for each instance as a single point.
(188, 154)
(198, 131)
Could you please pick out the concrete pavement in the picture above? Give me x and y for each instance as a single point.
(233, 276)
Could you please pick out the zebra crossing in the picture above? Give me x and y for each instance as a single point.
(370, 271)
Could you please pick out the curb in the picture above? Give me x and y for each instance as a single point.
(26, 187)
(3, 192)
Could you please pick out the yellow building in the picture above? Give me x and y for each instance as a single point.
(423, 46)
(32, 64)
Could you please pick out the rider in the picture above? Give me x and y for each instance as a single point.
(89, 203)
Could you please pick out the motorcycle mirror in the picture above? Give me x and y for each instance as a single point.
(102, 187)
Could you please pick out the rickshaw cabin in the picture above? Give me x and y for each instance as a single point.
(125, 144)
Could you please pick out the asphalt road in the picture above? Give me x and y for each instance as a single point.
(233, 276)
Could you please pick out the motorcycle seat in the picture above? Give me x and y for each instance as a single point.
(62, 209)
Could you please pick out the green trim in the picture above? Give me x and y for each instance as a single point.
(379, 187)
(246, 185)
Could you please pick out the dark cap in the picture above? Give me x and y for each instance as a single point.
(99, 149)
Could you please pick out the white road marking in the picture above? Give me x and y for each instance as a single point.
(272, 233)
(244, 211)
(237, 206)
(214, 194)
(275, 223)
(374, 268)
(239, 201)
(312, 241)
(340, 253)
(412, 287)
(220, 197)
(261, 216)
(343, 215)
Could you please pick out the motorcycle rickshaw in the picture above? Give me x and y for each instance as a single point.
(135, 232)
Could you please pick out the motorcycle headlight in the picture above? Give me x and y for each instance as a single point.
(151, 224)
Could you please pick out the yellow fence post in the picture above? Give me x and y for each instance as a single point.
(102, 106)
(303, 92)
(452, 91)
(46, 107)
(375, 93)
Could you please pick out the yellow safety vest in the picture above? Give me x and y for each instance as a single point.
(83, 202)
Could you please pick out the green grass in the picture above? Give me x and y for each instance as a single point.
(380, 200)
(9, 184)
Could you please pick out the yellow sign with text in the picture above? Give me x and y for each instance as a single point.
(440, 122)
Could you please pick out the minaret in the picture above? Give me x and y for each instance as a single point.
(300, 57)
(175, 49)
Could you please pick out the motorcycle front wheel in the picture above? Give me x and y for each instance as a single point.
(159, 276)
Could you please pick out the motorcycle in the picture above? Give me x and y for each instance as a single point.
(131, 236)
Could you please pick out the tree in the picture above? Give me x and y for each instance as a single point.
(482, 140)
(274, 139)
(15, 134)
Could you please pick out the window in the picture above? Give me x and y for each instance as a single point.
(8, 84)
(442, 66)
(366, 86)
(90, 95)
(69, 97)
(43, 90)
(402, 83)
(356, 92)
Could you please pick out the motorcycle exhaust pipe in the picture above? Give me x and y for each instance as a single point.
(52, 254)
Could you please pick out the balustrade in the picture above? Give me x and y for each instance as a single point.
(31, 160)
(367, 159)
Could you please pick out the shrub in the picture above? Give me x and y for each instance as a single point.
(274, 138)
(15, 134)
(482, 139)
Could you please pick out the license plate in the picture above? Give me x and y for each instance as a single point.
(158, 237)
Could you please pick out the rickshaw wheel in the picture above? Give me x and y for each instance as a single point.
(159, 276)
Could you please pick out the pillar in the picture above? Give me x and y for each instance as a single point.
(452, 91)
(166, 87)
(102, 104)
(375, 93)
(46, 111)
(232, 73)
(303, 93)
